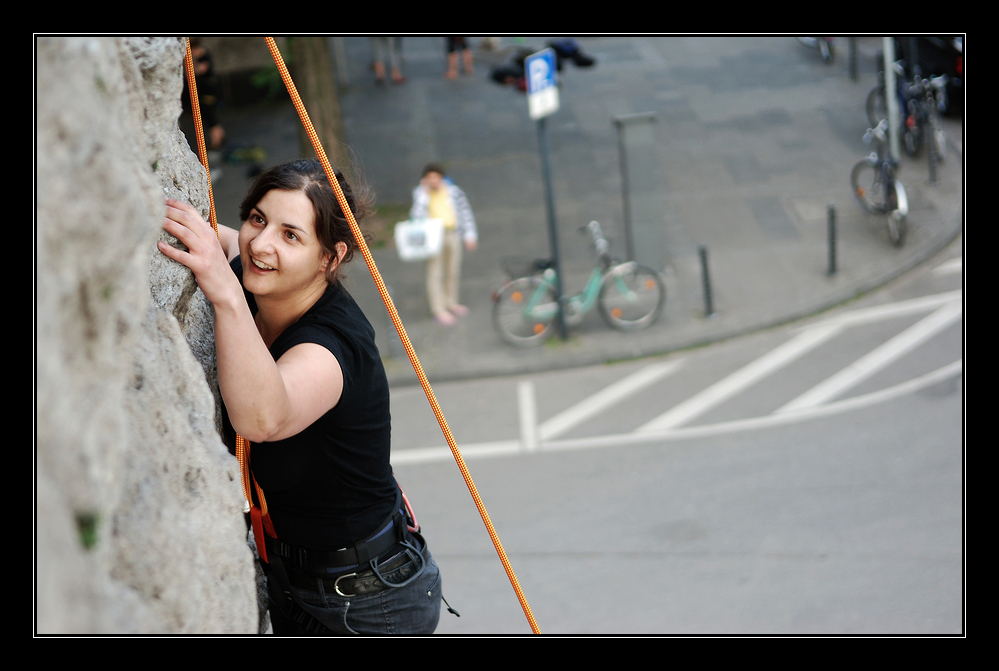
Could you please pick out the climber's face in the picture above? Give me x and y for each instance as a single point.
(281, 255)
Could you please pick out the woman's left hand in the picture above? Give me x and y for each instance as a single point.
(204, 255)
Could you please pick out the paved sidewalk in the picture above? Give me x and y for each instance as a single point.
(754, 139)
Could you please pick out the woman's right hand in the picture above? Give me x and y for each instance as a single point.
(204, 255)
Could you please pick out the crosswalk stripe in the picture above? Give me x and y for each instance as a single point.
(952, 267)
(509, 448)
(605, 398)
(904, 308)
(764, 421)
(741, 379)
(876, 359)
(528, 415)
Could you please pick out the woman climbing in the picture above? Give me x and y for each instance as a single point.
(302, 380)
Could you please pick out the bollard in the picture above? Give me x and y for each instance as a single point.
(853, 58)
(706, 280)
(934, 158)
(832, 239)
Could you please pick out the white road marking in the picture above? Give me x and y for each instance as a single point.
(512, 447)
(952, 267)
(528, 416)
(766, 421)
(890, 310)
(605, 398)
(423, 455)
(741, 379)
(875, 360)
(542, 438)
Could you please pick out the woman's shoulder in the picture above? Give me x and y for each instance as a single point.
(337, 323)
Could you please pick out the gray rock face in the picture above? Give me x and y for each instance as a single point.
(138, 502)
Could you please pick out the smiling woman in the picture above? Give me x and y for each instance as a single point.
(302, 380)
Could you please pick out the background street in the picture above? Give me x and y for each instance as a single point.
(849, 522)
(791, 464)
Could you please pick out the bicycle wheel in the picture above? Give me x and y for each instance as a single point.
(524, 312)
(868, 185)
(877, 108)
(631, 297)
(897, 225)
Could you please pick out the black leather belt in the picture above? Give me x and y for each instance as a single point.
(391, 531)
(396, 570)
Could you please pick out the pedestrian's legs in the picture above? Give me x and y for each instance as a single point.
(383, 49)
(452, 270)
(435, 284)
(379, 45)
(468, 56)
(436, 294)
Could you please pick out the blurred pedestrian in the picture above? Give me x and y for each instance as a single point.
(387, 48)
(438, 197)
(457, 44)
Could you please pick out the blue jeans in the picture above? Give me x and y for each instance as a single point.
(413, 609)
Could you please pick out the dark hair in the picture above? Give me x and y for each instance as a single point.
(308, 176)
(433, 167)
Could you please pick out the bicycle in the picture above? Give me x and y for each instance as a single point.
(928, 97)
(920, 102)
(875, 186)
(630, 297)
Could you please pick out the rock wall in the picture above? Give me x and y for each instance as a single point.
(139, 526)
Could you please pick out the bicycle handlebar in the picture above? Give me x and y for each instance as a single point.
(878, 132)
(599, 241)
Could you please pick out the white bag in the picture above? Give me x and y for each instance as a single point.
(419, 239)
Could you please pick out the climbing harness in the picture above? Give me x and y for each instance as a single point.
(260, 520)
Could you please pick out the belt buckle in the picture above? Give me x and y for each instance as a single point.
(336, 584)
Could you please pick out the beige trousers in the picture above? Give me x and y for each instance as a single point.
(443, 274)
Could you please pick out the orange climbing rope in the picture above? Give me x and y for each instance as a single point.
(260, 518)
(199, 131)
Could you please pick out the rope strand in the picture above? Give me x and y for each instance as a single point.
(199, 132)
(397, 322)
(242, 447)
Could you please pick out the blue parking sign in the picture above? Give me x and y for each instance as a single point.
(542, 87)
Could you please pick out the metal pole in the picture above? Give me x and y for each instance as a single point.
(832, 239)
(552, 226)
(709, 310)
(625, 192)
(891, 95)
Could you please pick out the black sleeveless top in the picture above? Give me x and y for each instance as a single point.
(331, 485)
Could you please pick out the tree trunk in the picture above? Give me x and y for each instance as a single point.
(316, 84)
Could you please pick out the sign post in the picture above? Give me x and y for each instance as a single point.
(542, 100)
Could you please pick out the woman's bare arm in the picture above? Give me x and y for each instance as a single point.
(266, 400)
(229, 239)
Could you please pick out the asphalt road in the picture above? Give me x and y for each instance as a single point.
(741, 515)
